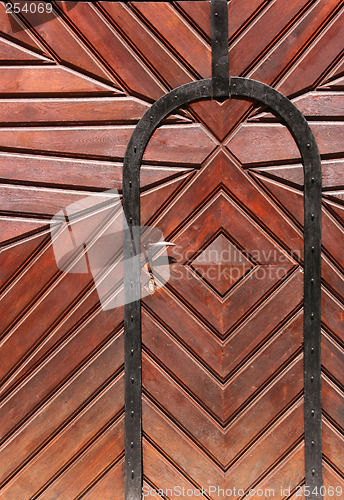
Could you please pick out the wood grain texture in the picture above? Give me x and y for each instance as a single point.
(222, 341)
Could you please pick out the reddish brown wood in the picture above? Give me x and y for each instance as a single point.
(104, 453)
(325, 49)
(160, 471)
(13, 256)
(33, 80)
(331, 478)
(333, 443)
(332, 173)
(333, 399)
(14, 29)
(287, 474)
(168, 144)
(64, 43)
(292, 201)
(81, 173)
(337, 84)
(276, 60)
(11, 52)
(112, 480)
(263, 409)
(273, 142)
(258, 38)
(121, 59)
(284, 434)
(107, 110)
(144, 42)
(198, 14)
(189, 47)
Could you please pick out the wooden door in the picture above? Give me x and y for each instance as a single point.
(222, 355)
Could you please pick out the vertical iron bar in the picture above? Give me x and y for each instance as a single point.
(312, 323)
(219, 49)
(132, 329)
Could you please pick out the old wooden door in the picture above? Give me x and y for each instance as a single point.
(222, 355)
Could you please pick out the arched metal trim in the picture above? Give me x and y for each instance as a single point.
(299, 128)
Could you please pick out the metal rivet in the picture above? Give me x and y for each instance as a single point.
(135, 149)
(130, 184)
(312, 350)
(308, 145)
(216, 14)
(312, 379)
(132, 444)
(313, 472)
(312, 281)
(132, 318)
(313, 248)
(176, 97)
(216, 65)
(312, 316)
(216, 41)
(313, 180)
(313, 443)
(132, 474)
(312, 216)
(132, 413)
(132, 380)
(130, 220)
(132, 352)
(312, 413)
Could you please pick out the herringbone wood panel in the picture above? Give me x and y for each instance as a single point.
(222, 358)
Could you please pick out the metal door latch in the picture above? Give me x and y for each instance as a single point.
(151, 264)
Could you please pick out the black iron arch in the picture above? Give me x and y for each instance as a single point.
(304, 138)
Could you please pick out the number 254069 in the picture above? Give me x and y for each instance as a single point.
(29, 7)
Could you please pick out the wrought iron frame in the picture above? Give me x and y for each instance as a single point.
(220, 87)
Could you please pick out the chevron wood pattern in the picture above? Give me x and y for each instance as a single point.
(222, 341)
